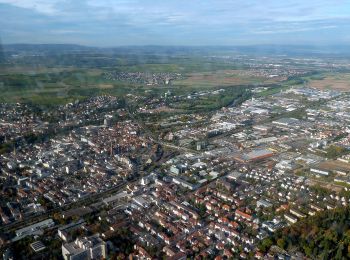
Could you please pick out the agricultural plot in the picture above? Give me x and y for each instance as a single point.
(339, 81)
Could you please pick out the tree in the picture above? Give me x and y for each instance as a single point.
(307, 250)
(335, 151)
(281, 243)
(265, 245)
(339, 254)
(323, 236)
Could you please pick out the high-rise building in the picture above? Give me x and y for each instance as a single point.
(86, 248)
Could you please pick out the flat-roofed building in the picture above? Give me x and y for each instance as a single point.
(33, 229)
(63, 232)
(290, 218)
(263, 203)
(116, 199)
(319, 171)
(255, 155)
(286, 122)
(297, 213)
(86, 248)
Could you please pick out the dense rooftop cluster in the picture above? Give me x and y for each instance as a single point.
(17, 120)
(212, 184)
(143, 78)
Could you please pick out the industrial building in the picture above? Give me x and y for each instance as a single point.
(255, 155)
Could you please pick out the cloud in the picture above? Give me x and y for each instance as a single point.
(63, 31)
(42, 6)
(172, 21)
(293, 30)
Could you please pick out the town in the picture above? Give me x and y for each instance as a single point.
(141, 130)
(93, 175)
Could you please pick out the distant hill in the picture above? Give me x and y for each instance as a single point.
(289, 50)
(2, 55)
(45, 48)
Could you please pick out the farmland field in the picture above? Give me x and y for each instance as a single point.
(59, 85)
(339, 81)
(224, 78)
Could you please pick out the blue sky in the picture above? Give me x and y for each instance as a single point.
(175, 22)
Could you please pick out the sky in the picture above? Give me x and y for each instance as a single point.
(108, 23)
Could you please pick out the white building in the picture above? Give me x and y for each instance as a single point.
(86, 248)
(35, 229)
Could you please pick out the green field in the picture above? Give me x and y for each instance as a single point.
(58, 87)
(52, 86)
(223, 78)
(55, 81)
